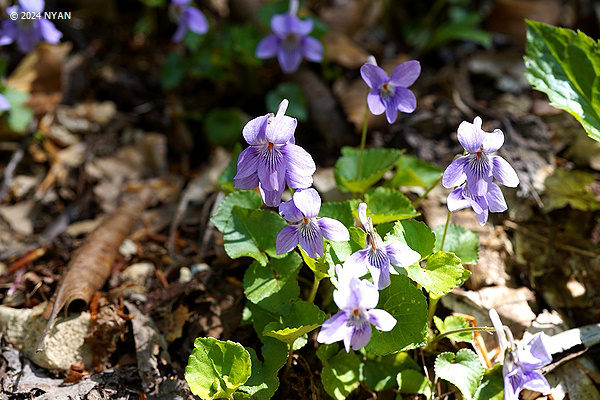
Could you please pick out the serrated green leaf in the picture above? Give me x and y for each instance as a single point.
(460, 241)
(385, 205)
(340, 374)
(273, 286)
(412, 171)
(570, 188)
(292, 92)
(216, 369)
(442, 273)
(375, 163)
(492, 385)
(226, 180)
(304, 317)
(252, 233)
(566, 66)
(451, 323)
(415, 234)
(379, 372)
(411, 381)
(242, 198)
(407, 304)
(463, 370)
(263, 381)
(340, 211)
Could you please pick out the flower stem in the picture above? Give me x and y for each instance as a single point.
(445, 230)
(433, 300)
(313, 291)
(429, 189)
(363, 139)
(463, 330)
(289, 361)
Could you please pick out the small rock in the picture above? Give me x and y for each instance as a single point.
(64, 345)
(128, 248)
(185, 275)
(138, 273)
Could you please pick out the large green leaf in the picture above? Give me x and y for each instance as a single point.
(379, 372)
(452, 323)
(411, 381)
(492, 385)
(570, 188)
(385, 205)
(412, 171)
(566, 66)
(243, 198)
(407, 304)
(375, 163)
(303, 318)
(442, 273)
(415, 234)
(274, 286)
(463, 370)
(252, 233)
(263, 381)
(340, 374)
(460, 241)
(340, 211)
(216, 369)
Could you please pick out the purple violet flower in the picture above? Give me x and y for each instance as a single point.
(290, 41)
(491, 201)
(4, 104)
(479, 166)
(520, 364)
(28, 32)
(356, 300)
(272, 160)
(188, 18)
(306, 229)
(377, 256)
(391, 94)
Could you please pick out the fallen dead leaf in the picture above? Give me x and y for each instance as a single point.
(344, 51)
(149, 343)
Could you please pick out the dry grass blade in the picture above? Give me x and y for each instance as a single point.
(91, 265)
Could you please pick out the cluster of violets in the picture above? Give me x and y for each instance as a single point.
(474, 172)
(272, 162)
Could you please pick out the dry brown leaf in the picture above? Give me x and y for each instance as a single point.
(40, 70)
(92, 263)
(174, 323)
(344, 51)
(350, 16)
